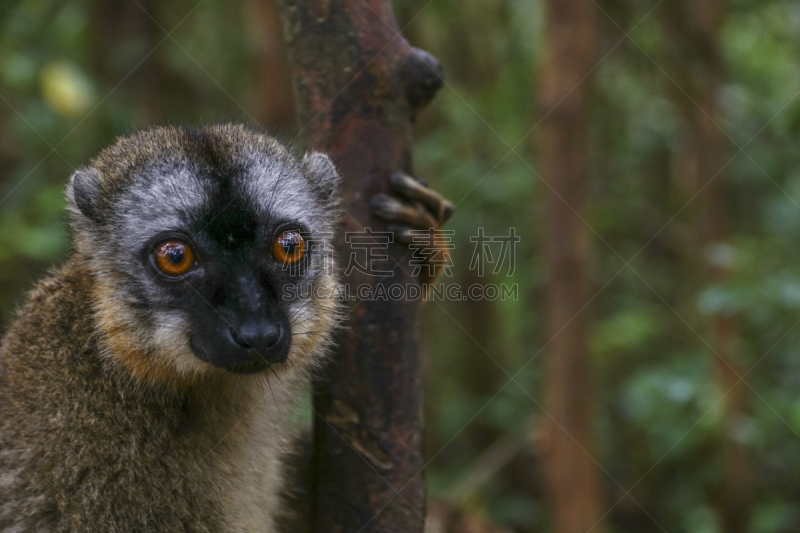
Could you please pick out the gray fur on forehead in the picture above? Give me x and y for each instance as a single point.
(166, 201)
(278, 192)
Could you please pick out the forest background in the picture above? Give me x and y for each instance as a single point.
(685, 402)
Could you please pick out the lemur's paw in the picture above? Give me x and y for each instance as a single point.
(415, 208)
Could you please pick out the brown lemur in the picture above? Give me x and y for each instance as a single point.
(146, 385)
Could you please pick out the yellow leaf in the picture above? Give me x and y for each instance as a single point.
(65, 89)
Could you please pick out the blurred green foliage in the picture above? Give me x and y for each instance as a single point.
(74, 74)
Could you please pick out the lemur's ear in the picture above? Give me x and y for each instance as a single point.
(85, 191)
(319, 168)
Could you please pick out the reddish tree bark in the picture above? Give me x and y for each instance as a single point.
(571, 474)
(276, 107)
(359, 85)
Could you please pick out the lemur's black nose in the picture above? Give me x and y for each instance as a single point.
(265, 339)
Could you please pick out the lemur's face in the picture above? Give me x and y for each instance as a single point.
(212, 247)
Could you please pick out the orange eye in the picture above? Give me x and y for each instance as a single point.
(174, 258)
(289, 248)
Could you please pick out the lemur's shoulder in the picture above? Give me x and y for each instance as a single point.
(52, 328)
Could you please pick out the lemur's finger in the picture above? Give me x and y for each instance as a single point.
(393, 210)
(402, 232)
(430, 247)
(417, 190)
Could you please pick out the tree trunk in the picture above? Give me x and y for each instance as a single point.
(276, 109)
(571, 474)
(359, 85)
(694, 29)
(120, 23)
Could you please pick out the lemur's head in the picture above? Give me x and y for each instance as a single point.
(210, 251)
